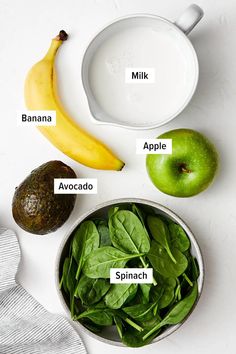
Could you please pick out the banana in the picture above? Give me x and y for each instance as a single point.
(67, 136)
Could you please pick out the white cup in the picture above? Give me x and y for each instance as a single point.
(170, 58)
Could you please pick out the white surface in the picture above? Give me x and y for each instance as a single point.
(26, 28)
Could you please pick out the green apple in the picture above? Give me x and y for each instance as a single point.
(189, 169)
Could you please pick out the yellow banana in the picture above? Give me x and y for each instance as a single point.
(67, 136)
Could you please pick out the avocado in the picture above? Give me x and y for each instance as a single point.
(35, 207)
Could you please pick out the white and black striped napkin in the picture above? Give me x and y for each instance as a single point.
(25, 326)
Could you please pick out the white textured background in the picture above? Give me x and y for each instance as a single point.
(26, 28)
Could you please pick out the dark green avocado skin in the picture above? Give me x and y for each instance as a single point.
(35, 207)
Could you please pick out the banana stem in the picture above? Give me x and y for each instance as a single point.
(56, 43)
(62, 36)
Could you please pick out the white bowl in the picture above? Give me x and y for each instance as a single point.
(109, 335)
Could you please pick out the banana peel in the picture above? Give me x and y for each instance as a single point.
(41, 94)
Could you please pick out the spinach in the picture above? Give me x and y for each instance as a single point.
(149, 324)
(98, 316)
(101, 304)
(160, 233)
(86, 239)
(104, 234)
(139, 298)
(178, 295)
(140, 312)
(63, 281)
(118, 294)
(187, 279)
(161, 262)
(178, 237)
(195, 269)
(178, 313)
(69, 282)
(132, 294)
(192, 272)
(112, 211)
(140, 214)
(127, 233)
(134, 339)
(66, 269)
(123, 316)
(91, 290)
(130, 236)
(99, 262)
(164, 292)
(145, 288)
(91, 326)
(119, 325)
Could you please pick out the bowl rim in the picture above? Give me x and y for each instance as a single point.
(155, 205)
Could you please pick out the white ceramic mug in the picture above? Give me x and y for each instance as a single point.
(114, 101)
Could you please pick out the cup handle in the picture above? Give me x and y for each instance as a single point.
(190, 18)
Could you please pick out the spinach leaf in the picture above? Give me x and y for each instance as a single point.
(103, 231)
(91, 290)
(178, 237)
(71, 283)
(131, 295)
(140, 312)
(118, 294)
(137, 211)
(65, 269)
(178, 313)
(164, 292)
(125, 318)
(147, 325)
(160, 233)
(187, 279)
(178, 295)
(191, 274)
(98, 316)
(139, 298)
(140, 214)
(86, 240)
(195, 269)
(91, 326)
(127, 233)
(134, 339)
(119, 325)
(112, 211)
(101, 304)
(99, 262)
(161, 261)
(145, 288)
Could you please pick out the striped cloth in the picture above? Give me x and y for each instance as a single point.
(25, 326)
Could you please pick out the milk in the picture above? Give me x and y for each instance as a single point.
(159, 49)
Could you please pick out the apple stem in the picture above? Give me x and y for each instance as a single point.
(183, 168)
